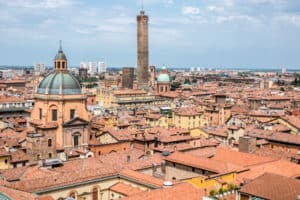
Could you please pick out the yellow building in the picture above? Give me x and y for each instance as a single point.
(154, 120)
(188, 118)
(4, 159)
(224, 181)
(113, 98)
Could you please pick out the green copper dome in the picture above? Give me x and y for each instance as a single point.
(59, 82)
(163, 78)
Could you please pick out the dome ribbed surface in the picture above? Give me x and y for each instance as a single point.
(59, 83)
(163, 78)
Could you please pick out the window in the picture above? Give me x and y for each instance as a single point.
(41, 113)
(54, 115)
(95, 194)
(49, 142)
(50, 155)
(72, 195)
(38, 157)
(5, 161)
(76, 140)
(72, 113)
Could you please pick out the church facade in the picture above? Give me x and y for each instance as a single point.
(59, 116)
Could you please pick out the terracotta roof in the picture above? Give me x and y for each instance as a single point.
(176, 192)
(274, 136)
(272, 186)
(293, 120)
(45, 198)
(188, 111)
(153, 116)
(125, 189)
(147, 179)
(203, 163)
(128, 92)
(16, 194)
(281, 167)
(239, 158)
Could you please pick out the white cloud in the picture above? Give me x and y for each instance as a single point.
(37, 4)
(224, 19)
(289, 19)
(189, 10)
(215, 8)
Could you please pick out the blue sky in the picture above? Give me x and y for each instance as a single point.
(185, 33)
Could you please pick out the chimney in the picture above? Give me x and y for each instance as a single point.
(154, 168)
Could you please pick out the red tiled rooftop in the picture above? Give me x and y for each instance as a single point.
(16, 194)
(141, 177)
(125, 189)
(176, 192)
(239, 158)
(203, 163)
(272, 186)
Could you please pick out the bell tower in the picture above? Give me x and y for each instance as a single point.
(60, 60)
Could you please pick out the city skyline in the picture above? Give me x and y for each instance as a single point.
(229, 33)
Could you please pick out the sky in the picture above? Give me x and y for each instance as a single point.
(182, 33)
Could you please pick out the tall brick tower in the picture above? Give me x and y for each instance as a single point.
(142, 50)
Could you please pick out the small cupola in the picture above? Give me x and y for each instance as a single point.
(60, 60)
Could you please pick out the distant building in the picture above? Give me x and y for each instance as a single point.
(93, 67)
(163, 81)
(39, 68)
(101, 67)
(83, 73)
(283, 70)
(127, 77)
(7, 74)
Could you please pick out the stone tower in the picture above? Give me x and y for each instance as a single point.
(142, 50)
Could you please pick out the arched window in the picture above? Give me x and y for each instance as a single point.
(72, 195)
(95, 193)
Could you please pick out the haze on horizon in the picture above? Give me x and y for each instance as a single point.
(191, 33)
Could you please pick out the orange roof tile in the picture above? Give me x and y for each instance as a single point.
(239, 158)
(125, 189)
(203, 163)
(16, 194)
(176, 192)
(141, 177)
(272, 186)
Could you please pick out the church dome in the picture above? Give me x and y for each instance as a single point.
(59, 82)
(163, 78)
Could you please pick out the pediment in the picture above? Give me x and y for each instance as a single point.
(77, 121)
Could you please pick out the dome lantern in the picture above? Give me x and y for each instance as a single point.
(60, 60)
